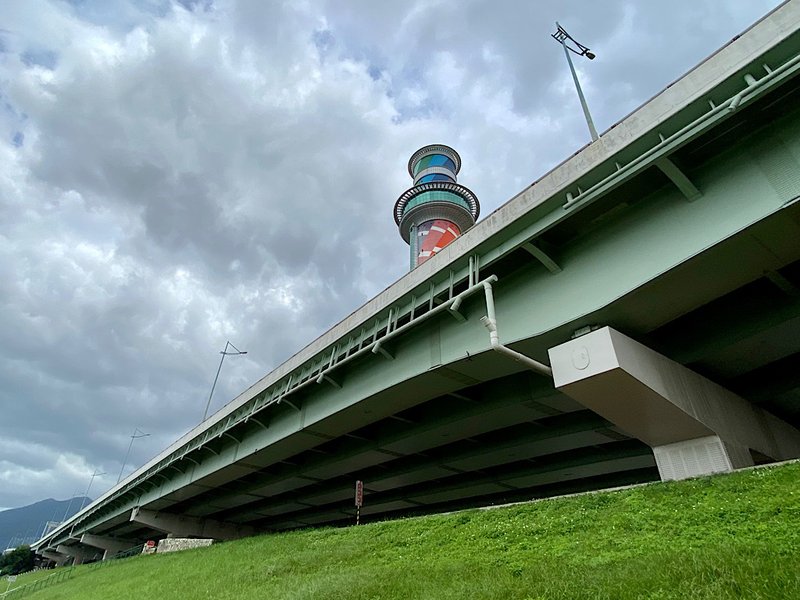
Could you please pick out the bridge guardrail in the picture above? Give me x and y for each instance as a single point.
(61, 574)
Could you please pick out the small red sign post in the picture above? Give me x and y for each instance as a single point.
(359, 499)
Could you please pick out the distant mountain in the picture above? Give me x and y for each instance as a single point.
(25, 525)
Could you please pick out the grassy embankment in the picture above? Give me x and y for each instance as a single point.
(729, 536)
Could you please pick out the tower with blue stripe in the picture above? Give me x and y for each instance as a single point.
(437, 209)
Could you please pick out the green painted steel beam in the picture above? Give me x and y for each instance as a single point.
(752, 181)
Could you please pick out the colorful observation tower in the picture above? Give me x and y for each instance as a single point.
(436, 210)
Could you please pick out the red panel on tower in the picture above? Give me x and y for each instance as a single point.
(433, 236)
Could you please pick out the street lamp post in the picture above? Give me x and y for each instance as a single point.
(91, 481)
(224, 353)
(66, 512)
(137, 433)
(561, 36)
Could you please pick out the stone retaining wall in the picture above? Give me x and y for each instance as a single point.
(177, 544)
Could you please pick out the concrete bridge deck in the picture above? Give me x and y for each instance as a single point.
(678, 228)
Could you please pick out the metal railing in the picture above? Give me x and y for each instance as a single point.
(133, 551)
(63, 573)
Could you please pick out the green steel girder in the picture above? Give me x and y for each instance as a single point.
(460, 485)
(380, 477)
(660, 151)
(345, 457)
(737, 193)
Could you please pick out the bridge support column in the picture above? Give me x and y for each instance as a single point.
(694, 426)
(55, 556)
(110, 546)
(78, 554)
(181, 526)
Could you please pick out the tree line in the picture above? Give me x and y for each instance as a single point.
(17, 561)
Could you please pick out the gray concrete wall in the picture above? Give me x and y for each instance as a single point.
(178, 544)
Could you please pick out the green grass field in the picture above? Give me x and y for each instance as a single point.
(729, 536)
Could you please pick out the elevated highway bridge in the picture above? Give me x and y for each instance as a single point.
(632, 315)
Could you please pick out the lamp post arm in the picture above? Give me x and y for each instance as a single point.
(584, 105)
(137, 433)
(86, 495)
(125, 461)
(66, 511)
(214, 385)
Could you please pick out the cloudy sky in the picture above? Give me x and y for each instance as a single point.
(177, 174)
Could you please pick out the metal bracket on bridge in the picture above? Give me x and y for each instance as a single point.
(679, 178)
(290, 403)
(453, 310)
(263, 426)
(235, 439)
(151, 482)
(542, 257)
(783, 284)
(325, 377)
(378, 349)
(457, 315)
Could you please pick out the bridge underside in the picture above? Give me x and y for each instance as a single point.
(496, 433)
(697, 259)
